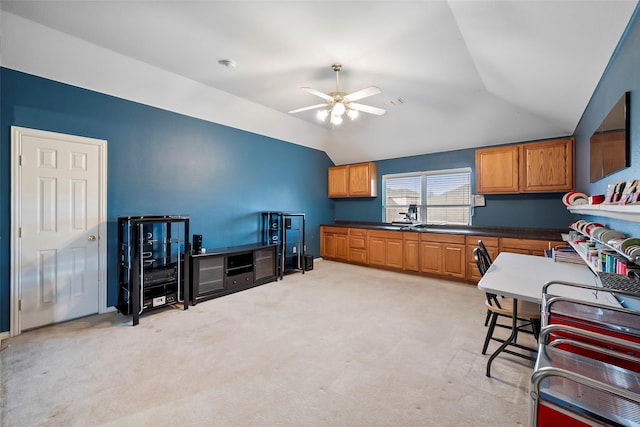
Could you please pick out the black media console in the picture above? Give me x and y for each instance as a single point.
(223, 271)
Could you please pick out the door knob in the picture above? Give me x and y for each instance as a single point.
(92, 238)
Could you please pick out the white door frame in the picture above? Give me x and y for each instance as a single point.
(15, 327)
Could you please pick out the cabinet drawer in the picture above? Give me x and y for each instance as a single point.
(534, 245)
(524, 246)
(487, 240)
(357, 242)
(358, 255)
(385, 234)
(407, 235)
(335, 230)
(357, 232)
(239, 280)
(442, 238)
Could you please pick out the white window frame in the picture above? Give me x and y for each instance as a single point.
(422, 208)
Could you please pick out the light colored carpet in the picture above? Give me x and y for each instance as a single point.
(340, 345)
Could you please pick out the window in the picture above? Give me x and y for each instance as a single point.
(442, 197)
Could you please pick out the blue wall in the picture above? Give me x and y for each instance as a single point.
(164, 163)
(161, 162)
(501, 210)
(622, 75)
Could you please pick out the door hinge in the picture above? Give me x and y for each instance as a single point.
(19, 305)
(19, 232)
(20, 160)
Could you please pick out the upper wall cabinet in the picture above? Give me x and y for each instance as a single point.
(547, 167)
(356, 180)
(497, 170)
(537, 167)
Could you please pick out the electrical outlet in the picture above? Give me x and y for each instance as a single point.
(294, 250)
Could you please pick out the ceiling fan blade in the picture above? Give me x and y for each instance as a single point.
(363, 93)
(367, 109)
(308, 108)
(318, 93)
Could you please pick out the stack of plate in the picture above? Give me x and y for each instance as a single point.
(575, 198)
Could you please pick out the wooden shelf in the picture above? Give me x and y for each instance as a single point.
(624, 212)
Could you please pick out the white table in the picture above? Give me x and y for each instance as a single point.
(523, 276)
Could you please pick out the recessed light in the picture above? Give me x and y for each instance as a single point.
(227, 63)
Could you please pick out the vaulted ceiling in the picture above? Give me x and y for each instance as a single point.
(453, 74)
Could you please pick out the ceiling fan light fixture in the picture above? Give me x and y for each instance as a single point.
(338, 103)
(322, 115)
(338, 109)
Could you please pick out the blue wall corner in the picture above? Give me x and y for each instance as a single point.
(161, 162)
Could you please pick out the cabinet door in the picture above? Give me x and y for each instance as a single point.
(265, 264)
(393, 253)
(328, 249)
(547, 166)
(377, 251)
(431, 257)
(342, 246)
(497, 170)
(453, 260)
(411, 255)
(472, 267)
(338, 181)
(208, 275)
(362, 180)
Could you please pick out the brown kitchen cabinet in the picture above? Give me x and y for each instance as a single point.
(547, 166)
(358, 245)
(493, 247)
(411, 251)
(354, 180)
(334, 243)
(443, 254)
(338, 180)
(528, 247)
(497, 170)
(385, 248)
(536, 167)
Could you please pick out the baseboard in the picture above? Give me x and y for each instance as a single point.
(4, 336)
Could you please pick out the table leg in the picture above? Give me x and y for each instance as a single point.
(514, 332)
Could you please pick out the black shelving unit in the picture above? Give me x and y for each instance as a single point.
(222, 271)
(151, 267)
(287, 231)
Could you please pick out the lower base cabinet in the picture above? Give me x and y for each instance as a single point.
(385, 249)
(445, 255)
(528, 247)
(492, 245)
(442, 254)
(411, 251)
(334, 243)
(358, 245)
(226, 270)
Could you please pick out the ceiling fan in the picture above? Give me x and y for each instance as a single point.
(338, 103)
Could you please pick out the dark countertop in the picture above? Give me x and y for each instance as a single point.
(518, 233)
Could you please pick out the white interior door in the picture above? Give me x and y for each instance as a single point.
(59, 222)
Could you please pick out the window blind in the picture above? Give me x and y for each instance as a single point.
(442, 197)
